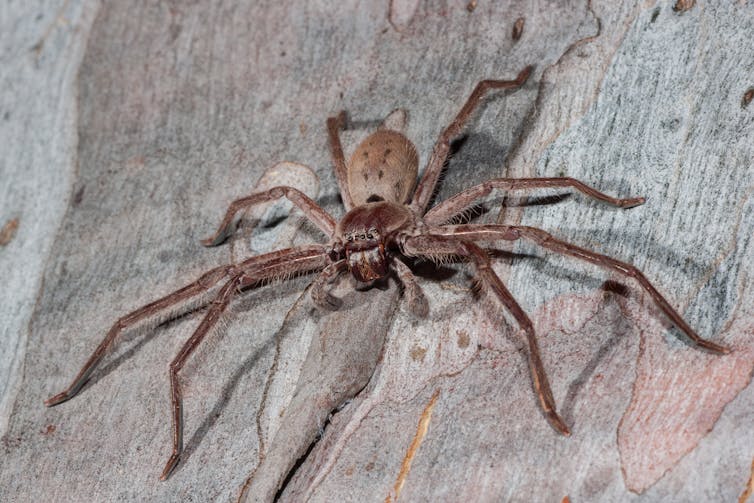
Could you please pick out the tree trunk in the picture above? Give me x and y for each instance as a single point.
(128, 128)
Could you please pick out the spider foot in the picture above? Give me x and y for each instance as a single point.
(558, 423)
(170, 465)
(632, 202)
(523, 76)
(711, 346)
(57, 399)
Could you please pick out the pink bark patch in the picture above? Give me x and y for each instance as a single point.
(677, 395)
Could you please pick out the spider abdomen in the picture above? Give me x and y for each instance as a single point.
(383, 167)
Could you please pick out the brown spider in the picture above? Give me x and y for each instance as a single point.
(385, 218)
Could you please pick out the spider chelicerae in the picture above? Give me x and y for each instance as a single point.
(387, 217)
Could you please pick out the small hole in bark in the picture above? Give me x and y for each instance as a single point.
(518, 28)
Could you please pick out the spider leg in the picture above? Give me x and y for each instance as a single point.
(417, 302)
(311, 209)
(455, 205)
(204, 283)
(253, 271)
(334, 125)
(431, 245)
(545, 240)
(320, 295)
(218, 306)
(426, 186)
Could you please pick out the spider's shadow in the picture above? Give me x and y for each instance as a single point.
(614, 290)
(299, 308)
(210, 419)
(144, 334)
(430, 271)
(230, 384)
(574, 388)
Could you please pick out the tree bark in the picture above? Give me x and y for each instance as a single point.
(127, 128)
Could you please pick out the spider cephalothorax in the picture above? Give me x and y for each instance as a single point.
(367, 231)
(386, 218)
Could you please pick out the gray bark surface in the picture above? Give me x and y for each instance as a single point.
(127, 128)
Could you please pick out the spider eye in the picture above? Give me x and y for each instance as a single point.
(369, 235)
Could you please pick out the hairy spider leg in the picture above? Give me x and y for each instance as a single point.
(446, 210)
(253, 271)
(217, 307)
(204, 283)
(428, 182)
(312, 210)
(432, 245)
(493, 232)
